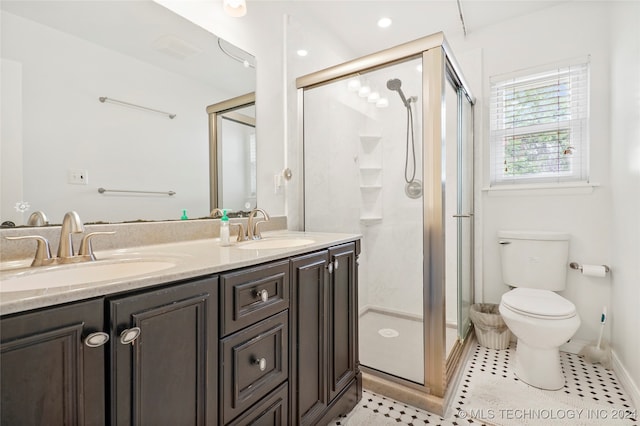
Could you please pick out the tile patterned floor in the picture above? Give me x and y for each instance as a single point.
(585, 383)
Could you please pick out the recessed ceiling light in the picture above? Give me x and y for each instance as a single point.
(302, 52)
(384, 22)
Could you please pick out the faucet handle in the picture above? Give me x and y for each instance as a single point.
(242, 236)
(256, 233)
(43, 251)
(86, 250)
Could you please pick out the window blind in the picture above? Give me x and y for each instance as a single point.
(539, 125)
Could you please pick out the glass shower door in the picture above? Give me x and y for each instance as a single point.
(465, 211)
(363, 174)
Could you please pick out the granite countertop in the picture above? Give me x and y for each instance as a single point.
(182, 260)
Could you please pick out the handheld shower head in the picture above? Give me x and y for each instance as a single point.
(395, 84)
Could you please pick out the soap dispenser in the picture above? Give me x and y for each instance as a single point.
(224, 229)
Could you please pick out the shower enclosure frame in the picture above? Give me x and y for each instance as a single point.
(438, 64)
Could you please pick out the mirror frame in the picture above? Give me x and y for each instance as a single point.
(213, 111)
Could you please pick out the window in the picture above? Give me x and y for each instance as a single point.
(539, 125)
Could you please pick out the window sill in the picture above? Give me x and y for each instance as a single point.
(577, 188)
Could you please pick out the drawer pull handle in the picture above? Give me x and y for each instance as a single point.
(129, 335)
(263, 294)
(261, 363)
(96, 339)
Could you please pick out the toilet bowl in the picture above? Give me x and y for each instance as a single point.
(542, 321)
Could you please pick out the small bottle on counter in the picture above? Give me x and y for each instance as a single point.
(224, 229)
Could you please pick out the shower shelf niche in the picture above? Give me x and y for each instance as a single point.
(370, 165)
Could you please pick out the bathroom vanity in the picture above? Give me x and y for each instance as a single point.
(226, 336)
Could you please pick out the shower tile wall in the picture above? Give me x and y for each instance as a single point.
(391, 260)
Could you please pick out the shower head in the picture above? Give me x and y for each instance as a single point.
(394, 84)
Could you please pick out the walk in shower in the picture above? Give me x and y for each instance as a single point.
(388, 153)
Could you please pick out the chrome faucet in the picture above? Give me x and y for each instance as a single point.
(215, 212)
(253, 231)
(37, 218)
(71, 224)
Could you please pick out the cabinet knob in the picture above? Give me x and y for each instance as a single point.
(335, 264)
(261, 363)
(96, 339)
(263, 294)
(330, 267)
(129, 335)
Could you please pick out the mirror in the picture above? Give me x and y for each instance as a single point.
(233, 137)
(60, 143)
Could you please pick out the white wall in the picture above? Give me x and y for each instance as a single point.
(519, 44)
(625, 183)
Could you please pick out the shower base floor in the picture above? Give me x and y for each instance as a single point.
(393, 344)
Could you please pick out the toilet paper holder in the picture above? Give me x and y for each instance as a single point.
(577, 266)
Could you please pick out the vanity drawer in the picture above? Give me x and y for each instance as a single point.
(273, 410)
(253, 362)
(253, 294)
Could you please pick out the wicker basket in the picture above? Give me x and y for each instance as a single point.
(490, 328)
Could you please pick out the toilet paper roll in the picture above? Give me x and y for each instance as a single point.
(594, 270)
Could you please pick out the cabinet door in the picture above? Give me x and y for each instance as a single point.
(253, 362)
(309, 331)
(342, 317)
(168, 374)
(270, 411)
(49, 376)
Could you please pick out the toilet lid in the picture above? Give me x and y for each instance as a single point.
(538, 303)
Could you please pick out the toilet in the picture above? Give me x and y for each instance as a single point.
(534, 265)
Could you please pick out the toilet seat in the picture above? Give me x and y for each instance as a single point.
(538, 303)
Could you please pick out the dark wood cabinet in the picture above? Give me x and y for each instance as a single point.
(325, 376)
(309, 334)
(271, 344)
(49, 375)
(168, 374)
(342, 319)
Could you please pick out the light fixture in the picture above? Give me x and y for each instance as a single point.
(373, 97)
(302, 52)
(384, 22)
(353, 84)
(364, 90)
(235, 8)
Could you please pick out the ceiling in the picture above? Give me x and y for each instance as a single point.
(354, 21)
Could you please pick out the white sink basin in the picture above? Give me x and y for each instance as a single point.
(274, 243)
(82, 273)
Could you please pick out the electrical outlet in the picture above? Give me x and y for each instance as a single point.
(78, 177)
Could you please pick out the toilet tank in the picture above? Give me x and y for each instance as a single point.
(534, 259)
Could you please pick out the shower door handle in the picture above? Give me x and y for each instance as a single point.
(463, 215)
